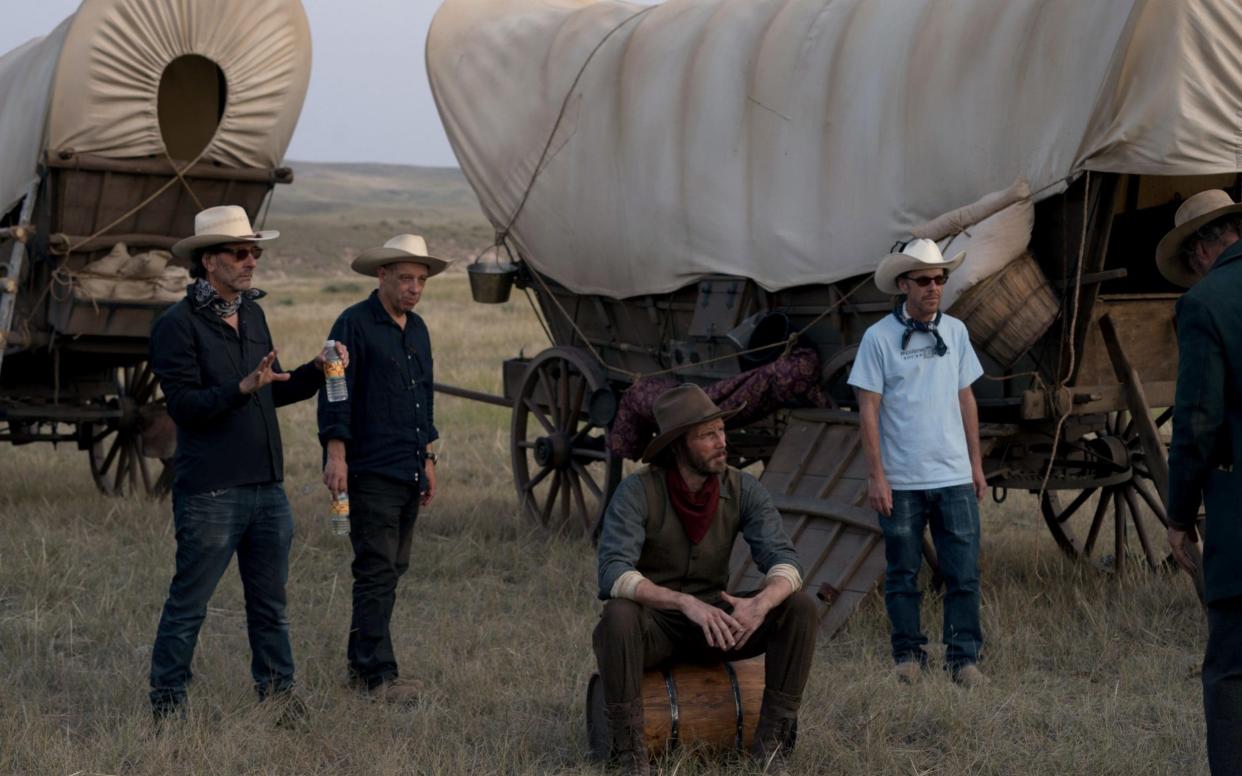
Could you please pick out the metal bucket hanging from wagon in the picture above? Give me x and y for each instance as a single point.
(491, 283)
(1008, 312)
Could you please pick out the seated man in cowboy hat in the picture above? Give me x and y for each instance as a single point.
(1204, 252)
(920, 432)
(664, 550)
(213, 354)
(378, 448)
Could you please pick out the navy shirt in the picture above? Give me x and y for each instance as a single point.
(224, 437)
(389, 419)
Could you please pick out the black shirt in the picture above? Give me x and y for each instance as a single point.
(224, 437)
(388, 420)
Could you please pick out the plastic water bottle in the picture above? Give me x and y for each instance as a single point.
(334, 373)
(340, 514)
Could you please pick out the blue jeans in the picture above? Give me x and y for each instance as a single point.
(953, 513)
(256, 523)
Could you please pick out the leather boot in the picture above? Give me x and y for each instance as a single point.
(776, 732)
(625, 732)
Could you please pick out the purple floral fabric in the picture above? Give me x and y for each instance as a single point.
(789, 381)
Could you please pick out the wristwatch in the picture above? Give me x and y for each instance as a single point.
(429, 456)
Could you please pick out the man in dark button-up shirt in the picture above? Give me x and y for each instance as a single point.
(377, 446)
(218, 369)
(1204, 251)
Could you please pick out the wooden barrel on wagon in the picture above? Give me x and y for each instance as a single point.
(710, 707)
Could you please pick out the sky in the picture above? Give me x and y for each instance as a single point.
(368, 99)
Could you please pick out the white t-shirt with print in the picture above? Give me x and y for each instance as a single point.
(922, 440)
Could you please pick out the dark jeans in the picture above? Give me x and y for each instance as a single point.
(630, 638)
(953, 513)
(382, 515)
(1222, 687)
(255, 522)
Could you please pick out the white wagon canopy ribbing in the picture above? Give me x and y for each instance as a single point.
(220, 81)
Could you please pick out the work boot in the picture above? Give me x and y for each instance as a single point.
(288, 708)
(908, 671)
(969, 676)
(398, 692)
(776, 732)
(626, 740)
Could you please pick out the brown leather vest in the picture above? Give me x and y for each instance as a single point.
(669, 559)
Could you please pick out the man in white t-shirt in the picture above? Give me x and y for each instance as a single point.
(920, 430)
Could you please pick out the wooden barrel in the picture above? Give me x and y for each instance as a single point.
(695, 706)
(1008, 312)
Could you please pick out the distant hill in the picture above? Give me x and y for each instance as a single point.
(332, 211)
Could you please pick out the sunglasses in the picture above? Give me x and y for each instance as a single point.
(243, 253)
(925, 281)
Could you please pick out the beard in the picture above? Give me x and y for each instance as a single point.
(705, 465)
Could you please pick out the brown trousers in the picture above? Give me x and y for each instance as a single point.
(631, 638)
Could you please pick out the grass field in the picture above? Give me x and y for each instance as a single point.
(1090, 675)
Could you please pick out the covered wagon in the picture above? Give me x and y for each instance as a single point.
(684, 184)
(115, 129)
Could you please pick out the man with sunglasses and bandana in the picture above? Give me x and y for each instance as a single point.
(920, 433)
(1202, 253)
(218, 369)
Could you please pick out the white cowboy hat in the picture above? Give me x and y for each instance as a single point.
(403, 247)
(220, 225)
(918, 254)
(1195, 212)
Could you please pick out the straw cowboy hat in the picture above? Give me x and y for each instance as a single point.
(918, 254)
(679, 409)
(220, 225)
(1196, 211)
(403, 247)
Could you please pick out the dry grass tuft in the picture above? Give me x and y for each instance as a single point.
(1090, 675)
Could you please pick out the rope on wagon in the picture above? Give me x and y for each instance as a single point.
(1073, 325)
(64, 276)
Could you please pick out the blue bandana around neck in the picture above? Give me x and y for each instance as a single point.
(912, 326)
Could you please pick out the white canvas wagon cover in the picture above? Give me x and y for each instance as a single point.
(130, 78)
(793, 141)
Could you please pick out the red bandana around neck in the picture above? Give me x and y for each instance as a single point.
(696, 510)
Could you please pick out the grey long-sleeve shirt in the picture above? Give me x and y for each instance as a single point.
(624, 532)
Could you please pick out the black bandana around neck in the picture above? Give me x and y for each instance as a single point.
(203, 294)
(912, 326)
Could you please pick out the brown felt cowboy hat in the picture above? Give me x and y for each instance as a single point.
(1197, 211)
(679, 409)
(403, 247)
(220, 226)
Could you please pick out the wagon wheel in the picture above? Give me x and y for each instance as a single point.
(562, 468)
(134, 452)
(1117, 518)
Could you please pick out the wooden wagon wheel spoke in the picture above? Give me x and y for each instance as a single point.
(586, 477)
(1140, 529)
(1097, 522)
(562, 469)
(550, 395)
(583, 512)
(1128, 508)
(539, 416)
(122, 452)
(552, 494)
(575, 406)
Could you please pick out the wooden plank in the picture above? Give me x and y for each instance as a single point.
(817, 480)
(1155, 454)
